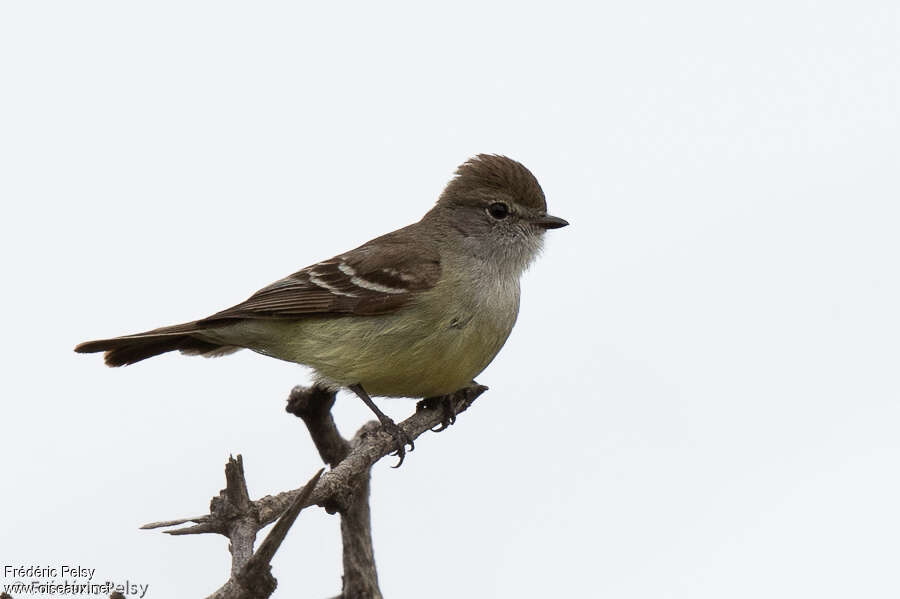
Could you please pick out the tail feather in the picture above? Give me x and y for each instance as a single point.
(121, 351)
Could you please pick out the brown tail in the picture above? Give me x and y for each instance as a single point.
(121, 351)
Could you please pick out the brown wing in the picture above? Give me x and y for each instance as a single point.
(378, 277)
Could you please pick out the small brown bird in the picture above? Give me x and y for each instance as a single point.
(418, 312)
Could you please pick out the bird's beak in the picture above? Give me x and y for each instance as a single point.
(549, 222)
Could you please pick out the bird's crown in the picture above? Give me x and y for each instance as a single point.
(492, 173)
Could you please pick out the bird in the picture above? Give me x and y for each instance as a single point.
(418, 312)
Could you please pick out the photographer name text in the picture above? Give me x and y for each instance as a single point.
(60, 571)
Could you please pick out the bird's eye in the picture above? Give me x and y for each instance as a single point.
(498, 210)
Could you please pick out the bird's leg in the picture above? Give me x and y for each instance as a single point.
(389, 425)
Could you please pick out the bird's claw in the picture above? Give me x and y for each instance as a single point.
(445, 402)
(448, 404)
(448, 413)
(400, 437)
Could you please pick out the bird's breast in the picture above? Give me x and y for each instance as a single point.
(461, 329)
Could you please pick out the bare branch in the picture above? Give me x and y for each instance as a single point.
(234, 504)
(273, 540)
(253, 578)
(344, 489)
(360, 575)
(166, 523)
(313, 405)
(373, 444)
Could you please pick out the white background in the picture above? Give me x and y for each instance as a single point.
(700, 399)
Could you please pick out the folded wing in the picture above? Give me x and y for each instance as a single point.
(372, 279)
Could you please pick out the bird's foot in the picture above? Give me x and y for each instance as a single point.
(400, 437)
(389, 426)
(446, 403)
(449, 404)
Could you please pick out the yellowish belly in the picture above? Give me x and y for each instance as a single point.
(396, 355)
(398, 360)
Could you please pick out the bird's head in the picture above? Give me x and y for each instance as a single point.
(495, 205)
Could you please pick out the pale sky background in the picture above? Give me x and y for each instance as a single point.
(700, 398)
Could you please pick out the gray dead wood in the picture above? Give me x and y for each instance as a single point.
(344, 489)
